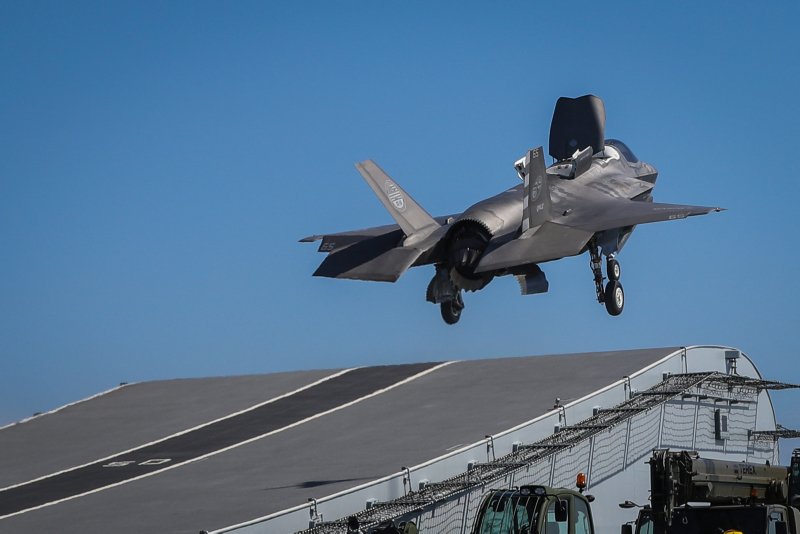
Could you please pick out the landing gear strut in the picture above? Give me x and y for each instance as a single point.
(612, 295)
(596, 270)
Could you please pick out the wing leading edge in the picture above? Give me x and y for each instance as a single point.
(555, 240)
(620, 214)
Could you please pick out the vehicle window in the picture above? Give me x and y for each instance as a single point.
(795, 478)
(622, 147)
(645, 525)
(775, 515)
(551, 526)
(509, 513)
(583, 521)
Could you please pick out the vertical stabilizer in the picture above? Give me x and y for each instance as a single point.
(408, 214)
(536, 203)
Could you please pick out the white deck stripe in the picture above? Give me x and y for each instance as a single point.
(460, 448)
(298, 390)
(307, 419)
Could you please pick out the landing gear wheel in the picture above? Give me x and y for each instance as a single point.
(451, 310)
(615, 298)
(612, 269)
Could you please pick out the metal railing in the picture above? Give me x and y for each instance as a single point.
(730, 386)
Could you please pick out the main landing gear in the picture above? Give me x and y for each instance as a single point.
(612, 296)
(451, 310)
(446, 294)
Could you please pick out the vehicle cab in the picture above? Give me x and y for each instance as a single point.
(534, 510)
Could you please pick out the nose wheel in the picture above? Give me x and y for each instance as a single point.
(613, 296)
(612, 269)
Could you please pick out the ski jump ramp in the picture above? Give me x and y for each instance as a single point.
(287, 452)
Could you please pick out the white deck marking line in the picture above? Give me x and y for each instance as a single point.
(481, 443)
(276, 431)
(298, 390)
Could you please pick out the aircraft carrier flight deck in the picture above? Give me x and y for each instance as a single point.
(182, 456)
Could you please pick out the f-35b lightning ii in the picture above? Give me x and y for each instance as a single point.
(590, 199)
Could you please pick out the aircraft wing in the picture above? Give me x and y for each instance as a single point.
(621, 213)
(566, 235)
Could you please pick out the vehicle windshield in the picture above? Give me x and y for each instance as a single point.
(622, 147)
(509, 512)
(711, 520)
(795, 478)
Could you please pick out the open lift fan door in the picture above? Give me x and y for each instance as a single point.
(577, 123)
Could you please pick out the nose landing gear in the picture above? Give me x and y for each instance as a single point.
(612, 295)
(612, 269)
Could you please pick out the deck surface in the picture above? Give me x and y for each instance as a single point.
(322, 437)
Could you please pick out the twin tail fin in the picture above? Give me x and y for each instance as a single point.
(404, 209)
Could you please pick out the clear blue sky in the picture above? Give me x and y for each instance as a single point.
(160, 160)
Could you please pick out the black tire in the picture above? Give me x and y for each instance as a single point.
(614, 297)
(451, 313)
(613, 270)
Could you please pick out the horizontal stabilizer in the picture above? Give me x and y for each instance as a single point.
(360, 262)
(621, 214)
(549, 242)
(376, 257)
(334, 242)
(408, 214)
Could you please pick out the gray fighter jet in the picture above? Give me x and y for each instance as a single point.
(590, 199)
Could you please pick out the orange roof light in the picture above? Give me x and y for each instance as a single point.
(753, 493)
(581, 482)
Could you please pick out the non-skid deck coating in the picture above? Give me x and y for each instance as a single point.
(208, 439)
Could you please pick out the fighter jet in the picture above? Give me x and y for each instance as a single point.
(590, 199)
